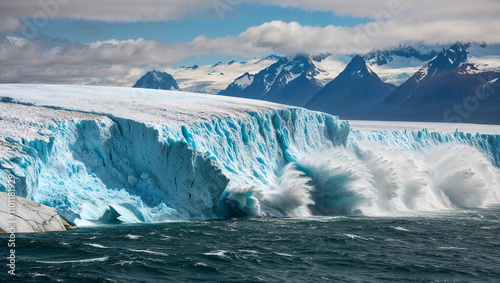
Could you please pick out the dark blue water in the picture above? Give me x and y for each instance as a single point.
(453, 247)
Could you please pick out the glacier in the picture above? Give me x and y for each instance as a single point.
(120, 155)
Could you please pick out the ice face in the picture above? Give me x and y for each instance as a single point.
(94, 169)
(227, 158)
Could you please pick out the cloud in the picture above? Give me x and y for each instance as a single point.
(120, 62)
(168, 10)
(40, 59)
(409, 10)
(293, 37)
(107, 11)
(9, 24)
(110, 62)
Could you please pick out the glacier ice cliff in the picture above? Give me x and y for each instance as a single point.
(113, 155)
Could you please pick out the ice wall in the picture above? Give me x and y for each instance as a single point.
(119, 170)
(151, 160)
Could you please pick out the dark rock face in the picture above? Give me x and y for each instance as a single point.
(157, 80)
(447, 89)
(288, 81)
(352, 93)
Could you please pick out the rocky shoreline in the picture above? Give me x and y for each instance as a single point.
(30, 216)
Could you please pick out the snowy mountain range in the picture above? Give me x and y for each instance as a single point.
(212, 79)
(288, 81)
(375, 85)
(383, 57)
(447, 88)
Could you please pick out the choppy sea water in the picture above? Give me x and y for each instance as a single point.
(461, 246)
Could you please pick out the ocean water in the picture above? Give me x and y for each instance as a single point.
(452, 246)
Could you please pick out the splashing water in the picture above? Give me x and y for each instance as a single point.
(374, 179)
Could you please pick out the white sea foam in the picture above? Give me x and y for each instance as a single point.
(219, 253)
(249, 251)
(125, 262)
(451, 248)
(354, 237)
(148, 252)
(487, 227)
(36, 274)
(77, 261)
(133, 237)
(201, 264)
(284, 254)
(96, 245)
(401, 229)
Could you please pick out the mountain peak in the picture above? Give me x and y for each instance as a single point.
(460, 46)
(357, 68)
(448, 59)
(353, 92)
(433, 92)
(300, 56)
(272, 57)
(217, 64)
(358, 61)
(289, 80)
(157, 80)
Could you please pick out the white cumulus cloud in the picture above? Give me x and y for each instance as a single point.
(38, 59)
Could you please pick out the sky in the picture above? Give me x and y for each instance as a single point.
(114, 42)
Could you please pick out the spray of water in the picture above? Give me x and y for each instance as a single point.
(372, 179)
